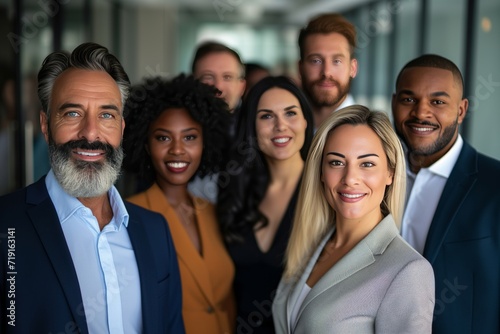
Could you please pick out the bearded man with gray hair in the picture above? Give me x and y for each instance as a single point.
(75, 256)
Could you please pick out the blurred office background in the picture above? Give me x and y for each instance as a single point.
(158, 37)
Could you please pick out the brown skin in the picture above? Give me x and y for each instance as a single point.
(428, 108)
(175, 144)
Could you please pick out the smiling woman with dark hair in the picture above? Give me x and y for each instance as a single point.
(175, 130)
(257, 199)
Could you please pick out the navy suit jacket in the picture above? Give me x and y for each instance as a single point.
(42, 295)
(463, 246)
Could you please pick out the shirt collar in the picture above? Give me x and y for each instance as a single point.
(443, 166)
(349, 101)
(67, 205)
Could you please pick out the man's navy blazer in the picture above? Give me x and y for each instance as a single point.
(39, 286)
(463, 246)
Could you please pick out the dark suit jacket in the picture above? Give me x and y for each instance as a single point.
(45, 286)
(463, 246)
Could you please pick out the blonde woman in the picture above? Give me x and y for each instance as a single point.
(347, 268)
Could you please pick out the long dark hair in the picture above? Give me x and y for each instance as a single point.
(243, 184)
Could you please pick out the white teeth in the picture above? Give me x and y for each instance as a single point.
(352, 195)
(281, 140)
(177, 164)
(89, 154)
(422, 129)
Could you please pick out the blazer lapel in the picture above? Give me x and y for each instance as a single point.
(186, 253)
(297, 288)
(358, 258)
(145, 265)
(46, 223)
(461, 180)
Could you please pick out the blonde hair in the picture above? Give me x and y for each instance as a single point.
(314, 217)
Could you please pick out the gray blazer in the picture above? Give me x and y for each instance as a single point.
(381, 286)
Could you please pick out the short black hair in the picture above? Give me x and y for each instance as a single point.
(435, 61)
(149, 99)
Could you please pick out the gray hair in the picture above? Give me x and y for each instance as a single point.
(87, 56)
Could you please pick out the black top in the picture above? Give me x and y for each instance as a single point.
(258, 275)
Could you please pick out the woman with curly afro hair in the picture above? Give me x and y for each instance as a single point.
(175, 130)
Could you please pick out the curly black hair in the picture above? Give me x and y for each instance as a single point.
(152, 97)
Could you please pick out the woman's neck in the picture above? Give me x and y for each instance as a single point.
(351, 231)
(176, 194)
(285, 172)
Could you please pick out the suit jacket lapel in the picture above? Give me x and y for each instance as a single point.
(46, 223)
(461, 180)
(297, 288)
(145, 265)
(186, 253)
(361, 256)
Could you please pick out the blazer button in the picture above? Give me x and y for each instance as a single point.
(210, 309)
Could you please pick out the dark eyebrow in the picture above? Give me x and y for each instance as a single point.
(337, 154)
(434, 94)
(438, 94)
(368, 155)
(264, 110)
(360, 157)
(190, 129)
(110, 106)
(406, 92)
(70, 106)
(184, 130)
(79, 106)
(286, 109)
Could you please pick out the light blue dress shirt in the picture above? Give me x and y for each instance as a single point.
(104, 262)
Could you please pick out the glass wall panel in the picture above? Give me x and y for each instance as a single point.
(7, 101)
(407, 34)
(274, 46)
(360, 85)
(447, 28)
(381, 26)
(484, 115)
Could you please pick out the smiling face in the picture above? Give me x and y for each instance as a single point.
(427, 109)
(175, 144)
(355, 172)
(84, 131)
(222, 70)
(280, 125)
(327, 69)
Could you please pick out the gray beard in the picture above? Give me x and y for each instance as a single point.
(84, 179)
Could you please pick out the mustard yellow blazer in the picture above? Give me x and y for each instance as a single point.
(208, 304)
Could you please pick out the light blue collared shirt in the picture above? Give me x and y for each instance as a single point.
(104, 262)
